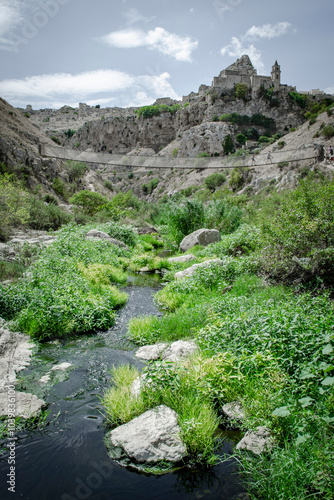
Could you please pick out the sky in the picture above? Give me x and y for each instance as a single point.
(131, 52)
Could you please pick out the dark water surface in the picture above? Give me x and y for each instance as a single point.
(67, 459)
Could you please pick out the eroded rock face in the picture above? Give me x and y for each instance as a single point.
(200, 237)
(94, 234)
(151, 437)
(257, 441)
(190, 271)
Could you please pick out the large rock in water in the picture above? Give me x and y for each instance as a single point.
(200, 237)
(94, 234)
(151, 437)
(190, 271)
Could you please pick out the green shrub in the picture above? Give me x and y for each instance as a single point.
(302, 229)
(150, 111)
(215, 180)
(228, 145)
(55, 139)
(14, 204)
(328, 131)
(45, 217)
(241, 138)
(108, 184)
(59, 187)
(75, 169)
(69, 133)
(241, 91)
(183, 218)
(299, 99)
(88, 201)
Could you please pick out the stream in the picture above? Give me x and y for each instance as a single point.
(67, 459)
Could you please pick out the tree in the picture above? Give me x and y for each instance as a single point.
(89, 201)
(228, 145)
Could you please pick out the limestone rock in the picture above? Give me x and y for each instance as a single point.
(151, 352)
(257, 441)
(178, 350)
(182, 258)
(94, 234)
(234, 412)
(200, 237)
(151, 437)
(26, 405)
(190, 271)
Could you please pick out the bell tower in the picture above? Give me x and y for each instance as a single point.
(276, 76)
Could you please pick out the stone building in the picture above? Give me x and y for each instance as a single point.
(243, 71)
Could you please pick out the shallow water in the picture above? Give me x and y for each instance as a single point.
(67, 459)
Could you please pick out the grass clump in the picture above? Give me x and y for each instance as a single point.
(119, 404)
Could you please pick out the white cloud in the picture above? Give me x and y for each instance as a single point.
(267, 31)
(86, 83)
(125, 39)
(105, 87)
(243, 45)
(178, 47)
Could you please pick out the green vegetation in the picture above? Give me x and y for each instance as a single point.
(56, 139)
(241, 91)
(215, 180)
(263, 319)
(89, 202)
(150, 111)
(69, 288)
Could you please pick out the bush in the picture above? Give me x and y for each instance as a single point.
(300, 240)
(75, 170)
(241, 91)
(45, 217)
(228, 145)
(69, 133)
(183, 218)
(14, 204)
(55, 139)
(150, 111)
(88, 201)
(299, 99)
(328, 131)
(108, 184)
(241, 138)
(215, 180)
(59, 188)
